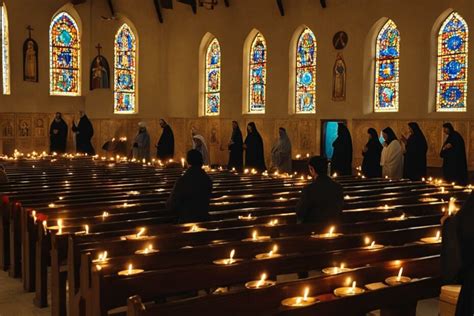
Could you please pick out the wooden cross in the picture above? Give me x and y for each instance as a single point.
(98, 48)
(29, 28)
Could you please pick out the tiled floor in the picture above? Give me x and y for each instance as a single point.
(14, 301)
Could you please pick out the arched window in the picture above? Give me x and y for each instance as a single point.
(452, 67)
(387, 68)
(212, 91)
(125, 73)
(257, 74)
(5, 51)
(306, 50)
(65, 56)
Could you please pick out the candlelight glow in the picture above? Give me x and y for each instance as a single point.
(273, 222)
(451, 206)
(182, 162)
(255, 235)
(367, 240)
(306, 293)
(130, 268)
(372, 244)
(141, 232)
(438, 235)
(298, 156)
(331, 230)
(262, 280)
(231, 257)
(399, 277)
(353, 287)
(51, 205)
(86, 228)
(246, 171)
(104, 215)
(273, 251)
(102, 257)
(334, 175)
(60, 225)
(33, 214)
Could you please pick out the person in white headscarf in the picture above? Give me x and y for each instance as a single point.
(141, 144)
(281, 152)
(199, 143)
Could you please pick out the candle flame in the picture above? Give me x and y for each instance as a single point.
(86, 227)
(353, 287)
(306, 293)
(451, 206)
(249, 216)
(372, 244)
(105, 214)
(403, 216)
(263, 277)
(331, 230)
(140, 233)
(275, 248)
(130, 268)
(33, 213)
(60, 225)
(231, 256)
(438, 235)
(342, 266)
(334, 175)
(399, 277)
(254, 235)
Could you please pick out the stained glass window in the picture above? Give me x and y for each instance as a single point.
(306, 72)
(125, 78)
(65, 57)
(387, 68)
(5, 51)
(452, 65)
(213, 78)
(258, 74)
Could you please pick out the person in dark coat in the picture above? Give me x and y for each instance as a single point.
(457, 255)
(191, 194)
(416, 147)
(454, 156)
(372, 151)
(323, 199)
(84, 132)
(341, 162)
(165, 146)
(254, 155)
(58, 135)
(235, 147)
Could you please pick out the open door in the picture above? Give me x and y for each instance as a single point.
(328, 136)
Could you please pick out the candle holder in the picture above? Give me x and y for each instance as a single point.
(269, 255)
(102, 258)
(374, 246)
(138, 236)
(272, 223)
(348, 291)
(396, 219)
(196, 229)
(397, 280)
(330, 235)
(263, 283)
(256, 238)
(428, 200)
(335, 270)
(300, 301)
(228, 261)
(130, 271)
(247, 218)
(432, 240)
(147, 251)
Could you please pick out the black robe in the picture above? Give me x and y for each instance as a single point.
(414, 166)
(454, 159)
(165, 146)
(58, 137)
(254, 155)
(190, 197)
(457, 255)
(341, 161)
(371, 163)
(84, 132)
(236, 159)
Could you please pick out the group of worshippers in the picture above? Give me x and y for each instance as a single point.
(406, 157)
(83, 130)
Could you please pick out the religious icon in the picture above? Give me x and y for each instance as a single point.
(30, 58)
(7, 129)
(24, 128)
(339, 81)
(340, 40)
(100, 72)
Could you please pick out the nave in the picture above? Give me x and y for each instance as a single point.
(101, 250)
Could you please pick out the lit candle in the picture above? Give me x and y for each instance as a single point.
(298, 156)
(334, 175)
(33, 214)
(348, 291)
(300, 301)
(182, 162)
(262, 280)
(254, 235)
(105, 215)
(51, 205)
(140, 233)
(147, 250)
(60, 226)
(273, 222)
(130, 271)
(246, 171)
(432, 240)
(399, 279)
(101, 258)
(451, 206)
(442, 190)
(330, 235)
(86, 228)
(260, 284)
(336, 270)
(331, 231)
(45, 227)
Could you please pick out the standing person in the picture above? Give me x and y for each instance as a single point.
(457, 255)
(3, 175)
(165, 146)
(58, 135)
(372, 151)
(84, 132)
(392, 155)
(416, 147)
(323, 199)
(281, 152)
(191, 194)
(341, 161)
(141, 144)
(199, 144)
(236, 149)
(254, 154)
(454, 156)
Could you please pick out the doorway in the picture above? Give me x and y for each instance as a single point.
(328, 136)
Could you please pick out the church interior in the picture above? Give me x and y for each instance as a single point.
(241, 157)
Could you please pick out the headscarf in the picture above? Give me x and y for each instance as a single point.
(390, 135)
(374, 139)
(204, 151)
(449, 126)
(254, 128)
(418, 134)
(283, 144)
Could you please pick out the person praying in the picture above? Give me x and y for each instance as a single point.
(323, 199)
(454, 156)
(253, 146)
(391, 159)
(165, 146)
(416, 147)
(281, 152)
(58, 135)
(141, 144)
(372, 151)
(199, 143)
(3, 175)
(341, 161)
(84, 132)
(236, 149)
(457, 255)
(189, 199)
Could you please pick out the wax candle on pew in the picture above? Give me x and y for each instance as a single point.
(228, 261)
(130, 271)
(399, 279)
(273, 253)
(249, 217)
(273, 222)
(105, 214)
(329, 235)
(397, 218)
(300, 301)
(260, 284)
(196, 229)
(256, 238)
(348, 290)
(101, 258)
(433, 240)
(336, 270)
(371, 245)
(147, 250)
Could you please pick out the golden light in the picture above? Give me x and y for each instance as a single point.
(86, 228)
(141, 232)
(300, 301)
(101, 258)
(262, 280)
(399, 279)
(273, 222)
(33, 214)
(130, 271)
(51, 205)
(105, 214)
(334, 175)
(246, 171)
(298, 156)
(255, 235)
(60, 226)
(182, 162)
